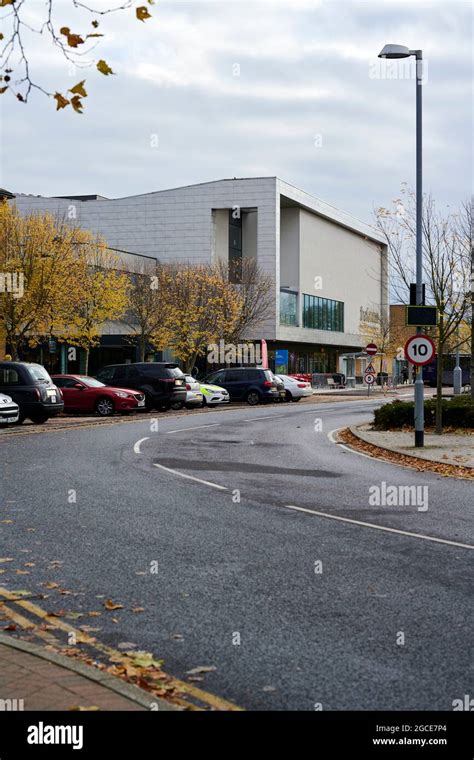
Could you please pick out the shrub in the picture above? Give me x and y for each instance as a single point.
(458, 412)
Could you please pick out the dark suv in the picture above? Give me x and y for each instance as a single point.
(163, 383)
(32, 389)
(249, 384)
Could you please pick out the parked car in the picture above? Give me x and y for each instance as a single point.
(250, 384)
(86, 394)
(162, 383)
(295, 389)
(213, 395)
(193, 394)
(9, 411)
(30, 386)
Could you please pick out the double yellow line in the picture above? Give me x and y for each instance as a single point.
(188, 690)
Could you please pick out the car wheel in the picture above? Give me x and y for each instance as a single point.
(288, 396)
(105, 407)
(298, 398)
(39, 419)
(177, 406)
(253, 398)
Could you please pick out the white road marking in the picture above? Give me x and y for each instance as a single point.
(136, 446)
(348, 448)
(266, 417)
(196, 427)
(381, 527)
(191, 477)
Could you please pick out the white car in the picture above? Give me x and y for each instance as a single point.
(193, 392)
(9, 411)
(213, 395)
(295, 389)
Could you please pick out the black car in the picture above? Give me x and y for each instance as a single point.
(32, 389)
(163, 383)
(249, 384)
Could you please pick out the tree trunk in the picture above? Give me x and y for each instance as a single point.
(141, 346)
(439, 381)
(86, 363)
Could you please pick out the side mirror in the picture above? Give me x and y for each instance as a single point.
(79, 386)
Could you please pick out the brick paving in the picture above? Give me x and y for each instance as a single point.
(44, 685)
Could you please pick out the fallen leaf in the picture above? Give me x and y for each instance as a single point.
(89, 629)
(94, 614)
(201, 669)
(11, 627)
(29, 564)
(6, 522)
(110, 605)
(138, 609)
(51, 584)
(126, 645)
(6, 559)
(81, 708)
(74, 615)
(60, 613)
(22, 572)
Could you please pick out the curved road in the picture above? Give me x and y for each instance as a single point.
(220, 526)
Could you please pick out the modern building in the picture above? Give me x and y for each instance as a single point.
(328, 268)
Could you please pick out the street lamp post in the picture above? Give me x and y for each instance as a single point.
(400, 51)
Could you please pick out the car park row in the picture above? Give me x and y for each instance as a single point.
(28, 391)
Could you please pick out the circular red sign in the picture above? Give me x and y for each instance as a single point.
(420, 350)
(371, 349)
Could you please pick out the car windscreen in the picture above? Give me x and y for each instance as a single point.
(37, 372)
(91, 382)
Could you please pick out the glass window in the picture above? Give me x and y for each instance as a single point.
(288, 308)
(37, 372)
(323, 313)
(9, 376)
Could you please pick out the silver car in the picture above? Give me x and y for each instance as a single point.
(9, 411)
(295, 389)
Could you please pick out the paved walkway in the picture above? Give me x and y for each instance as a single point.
(40, 680)
(445, 449)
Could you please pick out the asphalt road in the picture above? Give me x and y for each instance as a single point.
(293, 609)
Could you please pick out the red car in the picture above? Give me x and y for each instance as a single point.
(86, 394)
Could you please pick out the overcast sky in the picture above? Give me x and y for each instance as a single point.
(311, 103)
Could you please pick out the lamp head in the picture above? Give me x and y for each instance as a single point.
(395, 51)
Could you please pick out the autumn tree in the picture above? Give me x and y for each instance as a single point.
(102, 295)
(202, 306)
(40, 272)
(71, 28)
(148, 305)
(380, 331)
(256, 291)
(446, 268)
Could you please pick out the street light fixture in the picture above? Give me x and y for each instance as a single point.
(400, 51)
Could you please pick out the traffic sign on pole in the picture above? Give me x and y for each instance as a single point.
(420, 350)
(371, 349)
(369, 378)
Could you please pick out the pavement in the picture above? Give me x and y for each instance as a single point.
(449, 448)
(242, 549)
(32, 678)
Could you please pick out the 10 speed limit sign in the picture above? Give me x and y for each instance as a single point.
(420, 350)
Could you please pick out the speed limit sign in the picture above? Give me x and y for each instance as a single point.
(420, 350)
(369, 378)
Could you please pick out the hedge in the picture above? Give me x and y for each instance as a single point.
(458, 412)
